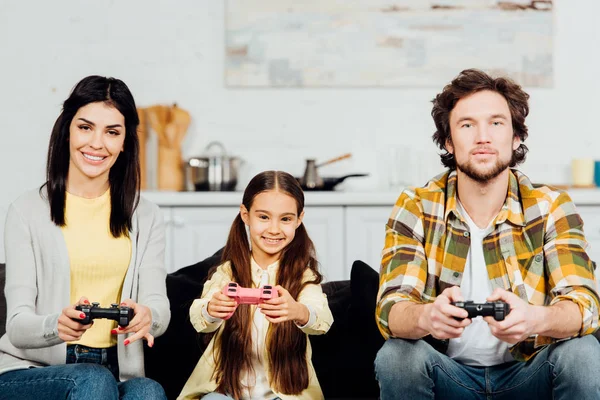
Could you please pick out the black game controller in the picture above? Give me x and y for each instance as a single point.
(498, 309)
(120, 314)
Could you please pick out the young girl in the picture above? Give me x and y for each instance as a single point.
(84, 236)
(262, 352)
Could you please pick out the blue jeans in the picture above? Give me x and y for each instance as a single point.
(412, 369)
(79, 380)
(78, 354)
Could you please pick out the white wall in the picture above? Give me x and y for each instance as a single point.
(173, 51)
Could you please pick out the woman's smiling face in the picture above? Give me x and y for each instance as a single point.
(96, 139)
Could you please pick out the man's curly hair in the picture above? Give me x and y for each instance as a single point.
(472, 81)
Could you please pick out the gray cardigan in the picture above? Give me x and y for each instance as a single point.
(38, 284)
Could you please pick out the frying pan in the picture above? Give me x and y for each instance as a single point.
(329, 183)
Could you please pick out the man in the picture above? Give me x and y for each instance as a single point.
(483, 232)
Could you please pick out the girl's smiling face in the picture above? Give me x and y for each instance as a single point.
(272, 221)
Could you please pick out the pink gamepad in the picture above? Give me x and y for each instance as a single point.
(249, 295)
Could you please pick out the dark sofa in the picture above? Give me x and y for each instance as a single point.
(343, 358)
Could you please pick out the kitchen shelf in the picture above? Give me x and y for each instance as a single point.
(335, 198)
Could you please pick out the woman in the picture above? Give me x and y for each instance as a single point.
(84, 236)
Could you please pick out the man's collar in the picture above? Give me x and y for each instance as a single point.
(512, 209)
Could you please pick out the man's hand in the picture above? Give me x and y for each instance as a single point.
(284, 308)
(70, 330)
(140, 324)
(520, 323)
(438, 317)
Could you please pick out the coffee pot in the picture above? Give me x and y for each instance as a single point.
(311, 178)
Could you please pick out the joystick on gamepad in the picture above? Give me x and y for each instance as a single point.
(248, 295)
(498, 309)
(122, 314)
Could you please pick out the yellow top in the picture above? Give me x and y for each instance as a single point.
(202, 381)
(98, 261)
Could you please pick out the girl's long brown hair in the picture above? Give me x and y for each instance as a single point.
(286, 344)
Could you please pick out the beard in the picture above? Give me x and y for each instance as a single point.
(470, 170)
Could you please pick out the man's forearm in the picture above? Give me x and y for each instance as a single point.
(404, 320)
(561, 320)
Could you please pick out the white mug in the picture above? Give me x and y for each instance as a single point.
(583, 171)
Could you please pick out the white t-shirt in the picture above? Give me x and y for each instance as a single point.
(477, 346)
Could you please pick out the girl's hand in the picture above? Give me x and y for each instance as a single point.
(284, 308)
(69, 329)
(140, 324)
(221, 306)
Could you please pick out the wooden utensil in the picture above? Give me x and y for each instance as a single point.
(158, 116)
(170, 124)
(171, 174)
(342, 157)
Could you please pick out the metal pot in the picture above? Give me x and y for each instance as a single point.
(214, 172)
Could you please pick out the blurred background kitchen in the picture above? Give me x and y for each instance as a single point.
(178, 56)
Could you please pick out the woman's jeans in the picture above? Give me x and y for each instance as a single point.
(412, 369)
(87, 375)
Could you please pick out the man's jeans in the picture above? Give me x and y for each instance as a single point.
(412, 369)
(83, 378)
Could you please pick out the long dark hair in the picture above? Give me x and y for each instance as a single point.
(286, 344)
(124, 176)
(466, 83)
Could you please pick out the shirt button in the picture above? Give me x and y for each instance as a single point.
(456, 274)
(538, 258)
(466, 234)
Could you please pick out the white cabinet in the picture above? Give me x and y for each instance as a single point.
(365, 234)
(194, 233)
(325, 226)
(342, 233)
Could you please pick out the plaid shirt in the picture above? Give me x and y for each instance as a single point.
(536, 250)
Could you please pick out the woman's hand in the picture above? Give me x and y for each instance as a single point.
(221, 306)
(69, 329)
(284, 308)
(140, 324)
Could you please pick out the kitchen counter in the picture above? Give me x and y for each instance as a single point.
(335, 198)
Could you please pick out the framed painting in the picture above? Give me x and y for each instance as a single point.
(376, 43)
